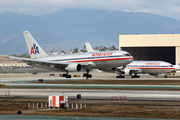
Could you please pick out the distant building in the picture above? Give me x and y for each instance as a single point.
(54, 53)
(164, 47)
(5, 61)
(69, 53)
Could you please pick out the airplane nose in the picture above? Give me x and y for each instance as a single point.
(130, 60)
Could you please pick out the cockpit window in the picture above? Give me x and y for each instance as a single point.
(126, 55)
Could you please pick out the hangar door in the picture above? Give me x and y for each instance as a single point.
(152, 53)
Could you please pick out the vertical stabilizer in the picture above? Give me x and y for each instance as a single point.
(35, 50)
(88, 47)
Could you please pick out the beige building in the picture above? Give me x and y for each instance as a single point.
(164, 47)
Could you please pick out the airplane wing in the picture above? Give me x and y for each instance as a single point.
(36, 61)
(51, 64)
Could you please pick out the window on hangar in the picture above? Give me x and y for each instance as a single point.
(152, 53)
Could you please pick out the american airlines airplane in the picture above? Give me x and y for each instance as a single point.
(73, 62)
(140, 67)
(144, 67)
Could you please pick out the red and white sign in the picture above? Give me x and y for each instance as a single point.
(58, 101)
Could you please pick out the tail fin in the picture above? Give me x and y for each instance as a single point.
(34, 49)
(88, 47)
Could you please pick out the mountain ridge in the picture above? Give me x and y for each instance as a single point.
(69, 28)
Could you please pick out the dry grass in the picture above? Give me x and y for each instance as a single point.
(129, 109)
(135, 82)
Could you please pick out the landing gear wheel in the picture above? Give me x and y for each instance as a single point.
(165, 76)
(66, 75)
(87, 75)
(135, 76)
(119, 76)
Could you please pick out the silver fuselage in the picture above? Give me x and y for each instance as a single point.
(93, 60)
(151, 67)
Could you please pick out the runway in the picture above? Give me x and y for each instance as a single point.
(95, 94)
(110, 86)
(25, 80)
(28, 77)
(18, 81)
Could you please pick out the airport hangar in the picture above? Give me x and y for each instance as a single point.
(165, 47)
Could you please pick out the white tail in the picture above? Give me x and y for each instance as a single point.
(35, 50)
(88, 47)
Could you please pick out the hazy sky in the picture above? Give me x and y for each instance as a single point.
(168, 8)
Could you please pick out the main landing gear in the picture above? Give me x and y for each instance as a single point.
(165, 76)
(66, 75)
(87, 75)
(120, 76)
(135, 76)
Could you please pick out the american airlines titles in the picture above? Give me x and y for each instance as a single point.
(153, 63)
(102, 54)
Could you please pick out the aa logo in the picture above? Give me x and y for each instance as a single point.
(34, 49)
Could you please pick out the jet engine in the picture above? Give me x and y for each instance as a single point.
(127, 72)
(73, 67)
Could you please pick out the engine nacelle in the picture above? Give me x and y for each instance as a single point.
(127, 72)
(73, 67)
(153, 74)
